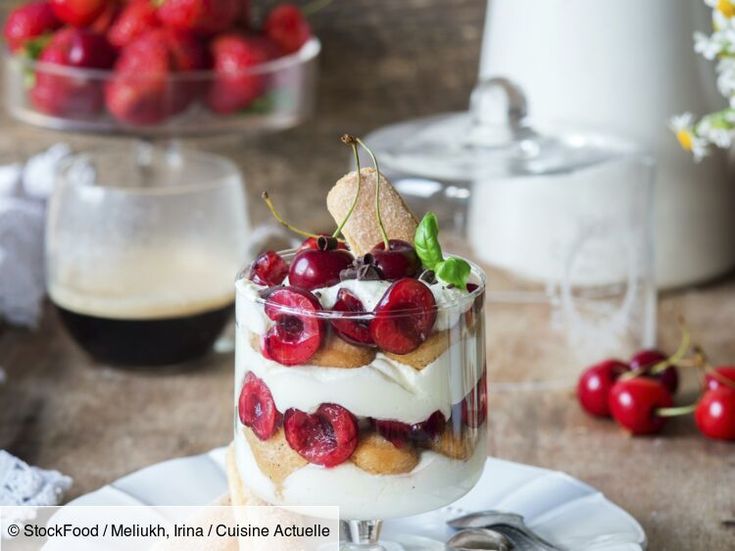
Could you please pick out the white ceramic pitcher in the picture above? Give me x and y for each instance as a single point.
(627, 66)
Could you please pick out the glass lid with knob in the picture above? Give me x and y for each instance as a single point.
(495, 137)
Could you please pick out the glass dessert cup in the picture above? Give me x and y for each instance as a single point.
(267, 97)
(323, 420)
(140, 257)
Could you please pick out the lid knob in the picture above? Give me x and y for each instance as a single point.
(498, 108)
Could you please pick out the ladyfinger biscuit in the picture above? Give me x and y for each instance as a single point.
(362, 231)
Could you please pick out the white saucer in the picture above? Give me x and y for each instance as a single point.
(560, 508)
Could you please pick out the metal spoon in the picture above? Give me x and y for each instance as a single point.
(479, 539)
(510, 525)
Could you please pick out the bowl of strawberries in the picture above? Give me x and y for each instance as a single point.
(158, 67)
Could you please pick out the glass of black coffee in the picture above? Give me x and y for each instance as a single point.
(142, 248)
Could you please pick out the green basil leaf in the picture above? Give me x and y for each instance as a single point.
(426, 241)
(454, 271)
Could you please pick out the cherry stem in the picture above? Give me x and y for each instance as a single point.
(676, 359)
(351, 141)
(280, 219)
(314, 7)
(676, 411)
(684, 346)
(383, 233)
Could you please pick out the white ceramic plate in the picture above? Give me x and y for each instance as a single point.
(560, 508)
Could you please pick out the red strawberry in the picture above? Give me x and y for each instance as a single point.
(61, 93)
(328, 437)
(256, 407)
(142, 92)
(287, 27)
(79, 13)
(205, 17)
(29, 21)
(235, 85)
(136, 18)
(106, 19)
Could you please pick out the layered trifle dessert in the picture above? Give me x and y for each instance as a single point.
(360, 364)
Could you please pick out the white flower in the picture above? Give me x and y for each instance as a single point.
(685, 121)
(707, 46)
(683, 127)
(717, 134)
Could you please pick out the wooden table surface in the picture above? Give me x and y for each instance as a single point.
(383, 61)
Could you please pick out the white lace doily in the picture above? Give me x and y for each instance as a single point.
(21, 484)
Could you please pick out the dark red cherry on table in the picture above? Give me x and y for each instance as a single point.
(297, 333)
(328, 437)
(474, 405)
(320, 267)
(355, 330)
(313, 243)
(257, 409)
(400, 260)
(633, 404)
(646, 359)
(720, 378)
(715, 414)
(404, 317)
(268, 269)
(593, 387)
(399, 433)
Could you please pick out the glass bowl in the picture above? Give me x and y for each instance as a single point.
(379, 432)
(275, 95)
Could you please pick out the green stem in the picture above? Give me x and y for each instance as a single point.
(677, 356)
(351, 141)
(676, 411)
(280, 219)
(316, 6)
(383, 233)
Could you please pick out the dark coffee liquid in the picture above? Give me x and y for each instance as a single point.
(147, 342)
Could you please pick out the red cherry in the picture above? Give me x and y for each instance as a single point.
(313, 243)
(78, 13)
(593, 388)
(268, 269)
(646, 359)
(715, 414)
(713, 382)
(287, 27)
(404, 317)
(28, 22)
(355, 331)
(298, 332)
(633, 404)
(400, 260)
(328, 437)
(399, 433)
(474, 405)
(314, 268)
(396, 432)
(256, 407)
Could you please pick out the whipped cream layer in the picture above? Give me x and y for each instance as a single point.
(435, 482)
(383, 389)
(451, 302)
